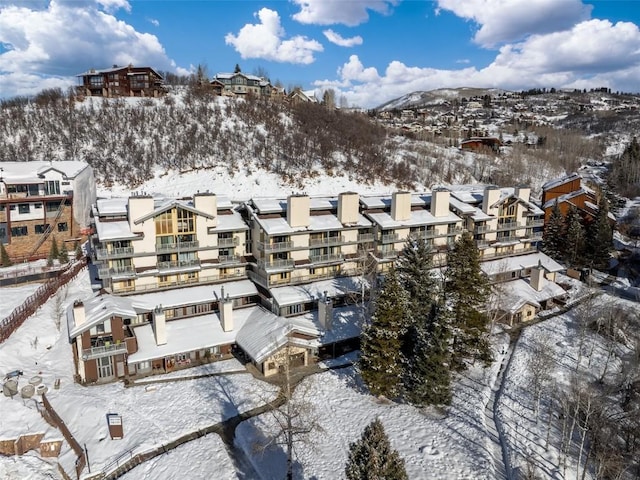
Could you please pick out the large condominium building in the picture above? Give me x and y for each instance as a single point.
(40, 201)
(143, 243)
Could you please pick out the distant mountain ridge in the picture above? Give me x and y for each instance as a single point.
(436, 97)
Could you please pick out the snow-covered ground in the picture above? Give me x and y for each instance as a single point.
(12, 297)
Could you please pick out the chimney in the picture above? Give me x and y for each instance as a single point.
(225, 306)
(538, 279)
(325, 312)
(491, 196)
(138, 207)
(440, 202)
(207, 203)
(401, 206)
(523, 192)
(298, 210)
(159, 325)
(348, 203)
(79, 316)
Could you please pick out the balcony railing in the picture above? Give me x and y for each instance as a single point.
(332, 257)
(509, 226)
(112, 272)
(184, 264)
(535, 222)
(228, 242)
(279, 263)
(229, 258)
(454, 231)
(104, 351)
(326, 241)
(387, 254)
(120, 252)
(365, 237)
(275, 247)
(425, 234)
(177, 246)
(390, 238)
(484, 229)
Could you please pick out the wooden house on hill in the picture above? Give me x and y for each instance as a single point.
(118, 81)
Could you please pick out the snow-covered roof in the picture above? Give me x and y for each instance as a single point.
(112, 206)
(187, 335)
(561, 181)
(336, 287)
(168, 204)
(95, 71)
(317, 223)
(228, 76)
(514, 295)
(416, 218)
(463, 207)
(114, 230)
(97, 310)
(230, 223)
(346, 323)
(28, 172)
(264, 333)
(520, 262)
(567, 197)
(194, 295)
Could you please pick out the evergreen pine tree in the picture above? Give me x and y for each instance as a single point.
(64, 254)
(78, 250)
(5, 261)
(54, 253)
(574, 251)
(380, 359)
(372, 458)
(553, 243)
(467, 291)
(599, 238)
(426, 375)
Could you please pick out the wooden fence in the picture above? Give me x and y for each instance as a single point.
(81, 461)
(9, 324)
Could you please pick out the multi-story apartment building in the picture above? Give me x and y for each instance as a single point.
(569, 191)
(118, 81)
(143, 243)
(40, 201)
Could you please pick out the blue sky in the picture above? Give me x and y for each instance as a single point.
(370, 51)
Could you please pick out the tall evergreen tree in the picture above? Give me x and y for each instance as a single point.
(553, 243)
(599, 237)
(64, 253)
(380, 359)
(467, 291)
(372, 458)
(54, 253)
(5, 261)
(575, 237)
(426, 375)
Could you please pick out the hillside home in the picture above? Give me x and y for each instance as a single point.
(143, 243)
(566, 191)
(481, 143)
(118, 81)
(297, 95)
(40, 201)
(241, 84)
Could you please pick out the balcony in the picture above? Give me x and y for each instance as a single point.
(104, 351)
(387, 254)
(120, 252)
(425, 234)
(454, 231)
(275, 246)
(117, 272)
(483, 229)
(314, 242)
(509, 226)
(365, 237)
(332, 257)
(390, 238)
(182, 265)
(229, 259)
(177, 247)
(535, 222)
(228, 242)
(285, 263)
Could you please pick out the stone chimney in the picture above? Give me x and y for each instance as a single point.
(325, 312)
(440, 202)
(401, 206)
(491, 196)
(79, 316)
(159, 325)
(522, 192)
(348, 203)
(298, 210)
(139, 206)
(225, 306)
(207, 203)
(538, 279)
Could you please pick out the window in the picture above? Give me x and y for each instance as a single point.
(53, 206)
(105, 369)
(24, 208)
(52, 187)
(182, 357)
(63, 227)
(41, 228)
(12, 207)
(164, 223)
(19, 231)
(144, 365)
(100, 328)
(37, 206)
(95, 81)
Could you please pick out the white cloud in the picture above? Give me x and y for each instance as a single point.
(350, 13)
(154, 22)
(354, 70)
(113, 5)
(265, 40)
(512, 20)
(463, 60)
(64, 38)
(339, 40)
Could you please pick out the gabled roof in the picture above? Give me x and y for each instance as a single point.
(99, 309)
(518, 293)
(520, 262)
(29, 172)
(116, 69)
(561, 181)
(567, 197)
(168, 206)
